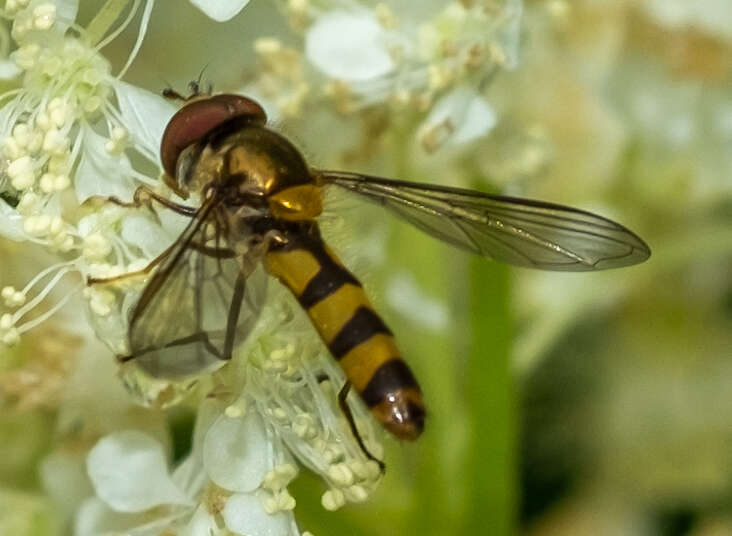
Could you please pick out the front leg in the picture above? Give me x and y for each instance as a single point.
(144, 196)
(136, 273)
(213, 252)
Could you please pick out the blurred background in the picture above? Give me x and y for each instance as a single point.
(558, 403)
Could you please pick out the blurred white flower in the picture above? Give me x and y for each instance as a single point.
(220, 10)
(713, 16)
(349, 45)
(130, 475)
(459, 117)
(115, 465)
(360, 56)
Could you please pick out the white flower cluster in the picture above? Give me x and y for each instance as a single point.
(359, 56)
(277, 404)
(298, 383)
(68, 131)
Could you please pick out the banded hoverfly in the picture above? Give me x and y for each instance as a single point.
(260, 203)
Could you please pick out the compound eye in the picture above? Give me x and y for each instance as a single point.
(195, 120)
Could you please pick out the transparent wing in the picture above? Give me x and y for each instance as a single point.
(200, 303)
(521, 232)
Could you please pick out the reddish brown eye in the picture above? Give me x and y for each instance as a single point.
(195, 120)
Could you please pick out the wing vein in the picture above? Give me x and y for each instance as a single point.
(521, 232)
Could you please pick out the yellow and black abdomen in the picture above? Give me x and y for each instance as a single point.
(354, 333)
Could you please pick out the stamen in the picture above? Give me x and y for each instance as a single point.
(112, 36)
(44, 273)
(140, 36)
(333, 499)
(45, 316)
(46, 290)
(44, 16)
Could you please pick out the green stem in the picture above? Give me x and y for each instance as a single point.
(491, 462)
(431, 354)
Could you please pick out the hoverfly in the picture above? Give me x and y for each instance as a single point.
(259, 206)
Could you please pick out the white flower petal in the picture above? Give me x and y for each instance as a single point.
(129, 473)
(243, 514)
(90, 516)
(100, 173)
(64, 479)
(466, 115)
(65, 12)
(201, 524)
(236, 452)
(190, 475)
(509, 33)
(11, 223)
(141, 230)
(348, 45)
(144, 114)
(9, 70)
(94, 517)
(171, 222)
(88, 224)
(478, 121)
(8, 117)
(208, 413)
(713, 16)
(220, 10)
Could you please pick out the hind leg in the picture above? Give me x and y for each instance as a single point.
(345, 408)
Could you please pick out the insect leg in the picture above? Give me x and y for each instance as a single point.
(342, 394)
(200, 336)
(216, 253)
(143, 196)
(233, 318)
(152, 264)
(171, 94)
(220, 253)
